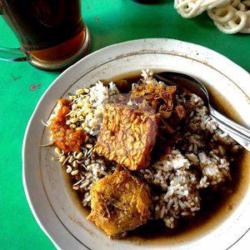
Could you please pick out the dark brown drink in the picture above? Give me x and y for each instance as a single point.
(49, 30)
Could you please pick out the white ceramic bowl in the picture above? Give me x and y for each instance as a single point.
(52, 202)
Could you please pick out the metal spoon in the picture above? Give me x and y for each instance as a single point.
(238, 132)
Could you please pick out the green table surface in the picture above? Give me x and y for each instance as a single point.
(21, 86)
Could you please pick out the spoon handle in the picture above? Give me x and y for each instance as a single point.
(237, 132)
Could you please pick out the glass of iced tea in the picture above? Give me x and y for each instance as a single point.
(51, 32)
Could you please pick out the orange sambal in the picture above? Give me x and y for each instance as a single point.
(64, 137)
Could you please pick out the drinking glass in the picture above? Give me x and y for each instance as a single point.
(51, 32)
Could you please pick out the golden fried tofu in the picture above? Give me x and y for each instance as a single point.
(127, 135)
(119, 202)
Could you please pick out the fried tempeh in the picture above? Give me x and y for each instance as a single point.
(127, 135)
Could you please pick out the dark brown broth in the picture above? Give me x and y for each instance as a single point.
(215, 207)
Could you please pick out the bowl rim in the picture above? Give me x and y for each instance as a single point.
(205, 60)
